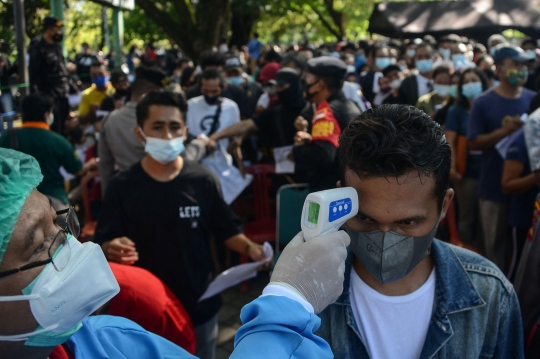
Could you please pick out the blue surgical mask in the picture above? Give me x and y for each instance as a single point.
(411, 53)
(445, 53)
(531, 53)
(459, 58)
(163, 151)
(236, 81)
(442, 90)
(493, 51)
(100, 81)
(424, 66)
(472, 90)
(453, 91)
(382, 62)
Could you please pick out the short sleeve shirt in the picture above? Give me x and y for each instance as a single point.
(488, 113)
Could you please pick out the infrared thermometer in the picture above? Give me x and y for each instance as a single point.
(326, 211)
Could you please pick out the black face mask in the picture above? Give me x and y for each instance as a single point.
(58, 37)
(288, 96)
(306, 87)
(120, 93)
(211, 100)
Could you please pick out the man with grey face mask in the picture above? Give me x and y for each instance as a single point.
(406, 294)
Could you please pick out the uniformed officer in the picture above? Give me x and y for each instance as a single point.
(315, 154)
(48, 73)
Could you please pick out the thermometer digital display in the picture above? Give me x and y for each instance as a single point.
(326, 211)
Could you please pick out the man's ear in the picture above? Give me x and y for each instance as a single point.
(447, 202)
(338, 184)
(186, 132)
(140, 137)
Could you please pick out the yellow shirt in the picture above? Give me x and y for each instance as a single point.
(91, 95)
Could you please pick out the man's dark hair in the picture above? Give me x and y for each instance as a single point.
(529, 40)
(389, 69)
(160, 98)
(141, 86)
(374, 48)
(334, 84)
(425, 44)
(213, 74)
(391, 140)
(256, 35)
(35, 106)
(211, 58)
(297, 60)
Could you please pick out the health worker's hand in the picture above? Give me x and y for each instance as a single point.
(314, 269)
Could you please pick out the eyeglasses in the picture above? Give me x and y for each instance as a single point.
(59, 262)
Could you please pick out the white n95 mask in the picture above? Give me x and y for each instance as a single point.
(163, 151)
(60, 300)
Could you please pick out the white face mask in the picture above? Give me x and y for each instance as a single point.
(50, 121)
(163, 151)
(61, 300)
(396, 84)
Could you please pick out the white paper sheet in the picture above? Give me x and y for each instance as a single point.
(503, 145)
(237, 274)
(232, 182)
(75, 99)
(283, 164)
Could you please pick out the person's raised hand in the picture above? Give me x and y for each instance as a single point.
(301, 137)
(301, 124)
(121, 250)
(314, 269)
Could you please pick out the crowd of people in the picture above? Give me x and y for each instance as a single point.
(408, 124)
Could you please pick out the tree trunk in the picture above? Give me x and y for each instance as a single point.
(241, 26)
(194, 28)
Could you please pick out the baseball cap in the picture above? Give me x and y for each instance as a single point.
(327, 66)
(515, 53)
(287, 76)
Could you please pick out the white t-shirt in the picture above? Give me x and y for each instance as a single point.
(392, 326)
(200, 117)
(424, 85)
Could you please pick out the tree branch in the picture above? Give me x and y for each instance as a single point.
(325, 22)
(162, 19)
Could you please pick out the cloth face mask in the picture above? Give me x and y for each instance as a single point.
(390, 256)
(61, 300)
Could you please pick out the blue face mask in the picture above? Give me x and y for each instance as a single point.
(445, 53)
(411, 53)
(472, 90)
(100, 81)
(442, 90)
(382, 62)
(459, 58)
(236, 81)
(453, 91)
(424, 66)
(493, 51)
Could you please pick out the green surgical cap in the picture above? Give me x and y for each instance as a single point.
(19, 175)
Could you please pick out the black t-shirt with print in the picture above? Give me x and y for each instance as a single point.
(171, 224)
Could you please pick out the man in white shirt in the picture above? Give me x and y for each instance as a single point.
(211, 113)
(406, 294)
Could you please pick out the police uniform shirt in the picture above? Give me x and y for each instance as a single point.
(171, 224)
(48, 73)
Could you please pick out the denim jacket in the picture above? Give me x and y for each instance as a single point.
(476, 312)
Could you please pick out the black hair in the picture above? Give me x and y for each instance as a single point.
(141, 86)
(298, 61)
(256, 35)
(334, 84)
(186, 76)
(389, 69)
(374, 48)
(529, 40)
(441, 69)
(160, 98)
(462, 100)
(213, 74)
(391, 140)
(35, 106)
(211, 58)
(272, 56)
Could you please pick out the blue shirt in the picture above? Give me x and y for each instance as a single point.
(521, 205)
(476, 312)
(105, 336)
(254, 48)
(488, 112)
(457, 120)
